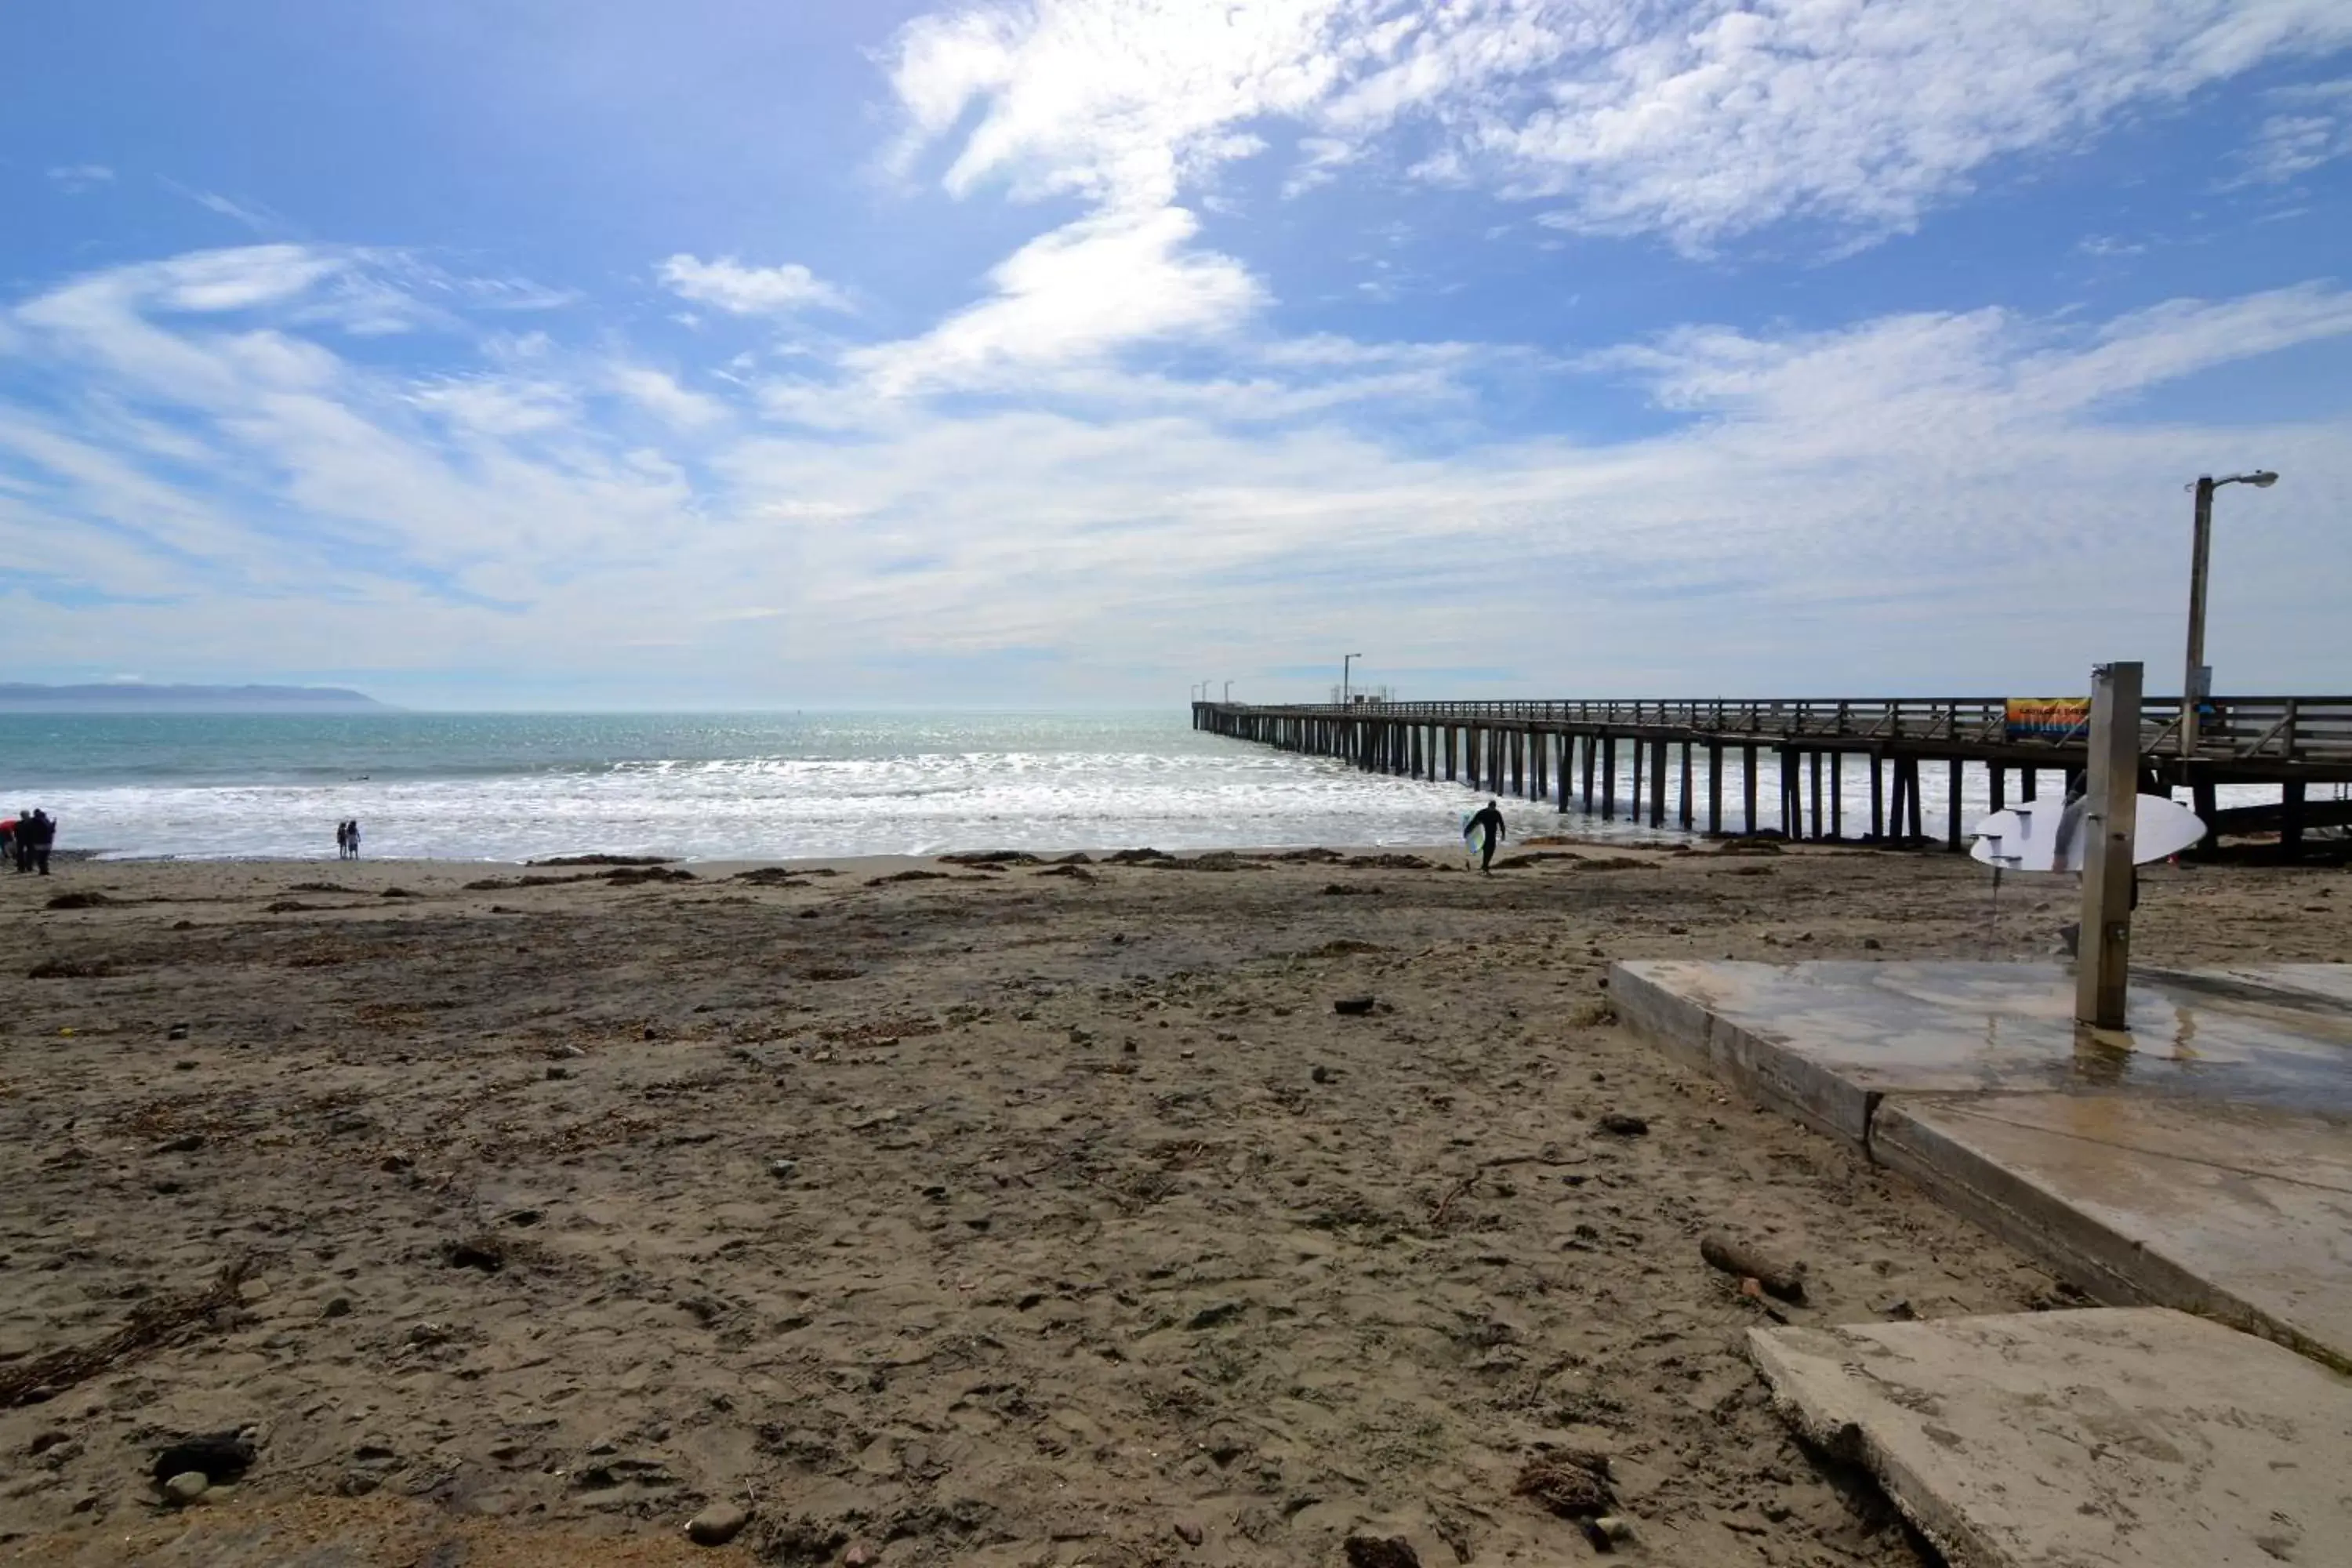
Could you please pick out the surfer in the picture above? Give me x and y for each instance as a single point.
(1488, 825)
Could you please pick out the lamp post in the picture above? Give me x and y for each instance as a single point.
(1229, 693)
(2195, 683)
(1344, 663)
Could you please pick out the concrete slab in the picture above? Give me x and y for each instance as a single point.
(2240, 1211)
(2118, 1438)
(2203, 1160)
(1825, 1041)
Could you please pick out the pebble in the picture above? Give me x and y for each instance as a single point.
(336, 1306)
(559, 1072)
(1188, 1532)
(1352, 1006)
(186, 1487)
(1321, 1074)
(784, 1170)
(716, 1525)
(1623, 1125)
(1610, 1530)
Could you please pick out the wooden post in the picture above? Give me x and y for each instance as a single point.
(1714, 787)
(2026, 778)
(1684, 813)
(1747, 761)
(1608, 775)
(2110, 808)
(2291, 815)
(1813, 765)
(1657, 784)
(2000, 796)
(1587, 776)
(1877, 798)
(1837, 795)
(1952, 808)
(1918, 831)
(1634, 785)
(1567, 769)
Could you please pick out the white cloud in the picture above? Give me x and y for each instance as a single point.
(76, 178)
(659, 393)
(1698, 121)
(1073, 295)
(2314, 128)
(730, 286)
(1981, 463)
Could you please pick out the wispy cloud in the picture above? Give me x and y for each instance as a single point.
(253, 214)
(511, 511)
(742, 290)
(75, 178)
(2313, 126)
(1698, 124)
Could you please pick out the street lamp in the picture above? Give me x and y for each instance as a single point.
(1229, 693)
(1344, 663)
(2196, 682)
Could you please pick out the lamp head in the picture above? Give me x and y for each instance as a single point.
(2263, 480)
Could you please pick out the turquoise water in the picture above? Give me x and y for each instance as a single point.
(512, 786)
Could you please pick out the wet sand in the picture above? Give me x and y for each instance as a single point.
(1043, 1214)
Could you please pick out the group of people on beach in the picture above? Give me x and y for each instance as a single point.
(347, 839)
(26, 837)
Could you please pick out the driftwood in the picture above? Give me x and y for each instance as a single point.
(1785, 1279)
(153, 1323)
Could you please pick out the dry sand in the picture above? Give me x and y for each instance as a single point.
(1019, 1217)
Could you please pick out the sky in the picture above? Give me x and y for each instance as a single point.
(573, 353)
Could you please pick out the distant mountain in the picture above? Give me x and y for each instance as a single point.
(135, 696)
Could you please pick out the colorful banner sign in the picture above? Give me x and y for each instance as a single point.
(2047, 717)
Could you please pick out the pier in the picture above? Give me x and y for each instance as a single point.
(1833, 762)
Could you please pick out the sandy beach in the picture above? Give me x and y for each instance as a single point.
(1030, 1213)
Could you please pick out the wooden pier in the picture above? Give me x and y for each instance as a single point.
(1819, 748)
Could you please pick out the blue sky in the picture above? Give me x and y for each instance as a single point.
(1072, 352)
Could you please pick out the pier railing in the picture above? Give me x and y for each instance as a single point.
(2298, 729)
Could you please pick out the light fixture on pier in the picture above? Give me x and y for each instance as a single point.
(2197, 681)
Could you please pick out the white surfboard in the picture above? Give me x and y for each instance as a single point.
(2024, 837)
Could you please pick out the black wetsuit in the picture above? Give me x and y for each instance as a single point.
(1488, 824)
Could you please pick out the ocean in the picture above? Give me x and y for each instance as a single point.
(510, 786)
(481, 787)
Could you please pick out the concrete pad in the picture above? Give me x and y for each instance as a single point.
(2122, 1438)
(1825, 1041)
(2240, 1211)
(2200, 1160)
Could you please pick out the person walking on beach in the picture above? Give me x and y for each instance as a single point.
(352, 837)
(25, 830)
(8, 839)
(1488, 824)
(43, 833)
